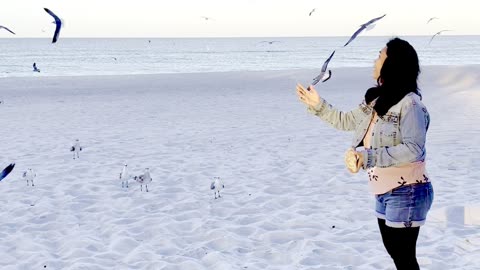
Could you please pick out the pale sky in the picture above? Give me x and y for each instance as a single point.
(238, 18)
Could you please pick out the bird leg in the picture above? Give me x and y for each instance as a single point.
(141, 187)
(146, 187)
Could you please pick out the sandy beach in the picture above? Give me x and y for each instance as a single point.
(288, 203)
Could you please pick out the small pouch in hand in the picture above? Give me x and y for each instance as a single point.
(352, 161)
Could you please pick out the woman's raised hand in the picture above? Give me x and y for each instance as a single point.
(308, 96)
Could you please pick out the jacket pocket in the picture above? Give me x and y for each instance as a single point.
(388, 129)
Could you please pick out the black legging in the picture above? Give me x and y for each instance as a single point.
(401, 245)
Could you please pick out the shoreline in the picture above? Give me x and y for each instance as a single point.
(239, 72)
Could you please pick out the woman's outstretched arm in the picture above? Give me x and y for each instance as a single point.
(346, 121)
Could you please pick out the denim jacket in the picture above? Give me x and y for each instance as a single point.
(398, 137)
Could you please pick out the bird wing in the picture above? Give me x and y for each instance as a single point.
(58, 24)
(432, 38)
(324, 67)
(212, 186)
(431, 19)
(328, 77)
(57, 33)
(374, 20)
(7, 29)
(363, 27)
(57, 19)
(355, 35)
(6, 171)
(436, 34)
(322, 72)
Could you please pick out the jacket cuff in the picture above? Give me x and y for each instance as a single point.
(318, 109)
(368, 158)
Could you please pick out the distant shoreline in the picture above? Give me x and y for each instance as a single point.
(238, 73)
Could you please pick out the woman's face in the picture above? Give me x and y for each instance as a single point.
(379, 63)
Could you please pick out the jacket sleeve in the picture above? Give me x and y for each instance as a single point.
(346, 121)
(413, 128)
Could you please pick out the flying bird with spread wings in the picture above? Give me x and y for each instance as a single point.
(436, 34)
(431, 19)
(366, 26)
(58, 22)
(321, 76)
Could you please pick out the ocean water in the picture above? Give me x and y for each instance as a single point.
(85, 56)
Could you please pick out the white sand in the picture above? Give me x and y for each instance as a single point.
(285, 182)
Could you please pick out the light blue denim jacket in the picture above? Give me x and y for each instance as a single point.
(398, 137)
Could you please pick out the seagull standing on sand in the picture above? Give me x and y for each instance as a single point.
(321, 76)
(58, 22)
(124, 176)
(436, 34)
(144, 179)
(368, 26)
(76, 148)
(29, 175)
(311, 12)
(431, 19)
(217, 185)
(3, 27)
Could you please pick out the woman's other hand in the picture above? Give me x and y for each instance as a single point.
(353, 160)
(308, 96)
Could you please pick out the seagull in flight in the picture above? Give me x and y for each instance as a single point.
(207, 18)
(368, 26)
(311, 12)
(321, 76)
(58, 22)
(3, 27)
(431, 19)
(436, 34)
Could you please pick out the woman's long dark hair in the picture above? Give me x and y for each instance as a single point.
(398, 76)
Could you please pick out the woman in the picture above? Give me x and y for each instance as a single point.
(391, 126)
